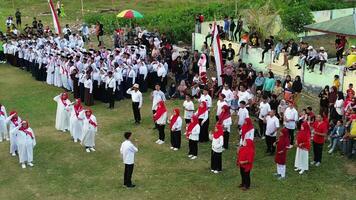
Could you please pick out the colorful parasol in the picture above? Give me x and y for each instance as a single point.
(129, 14)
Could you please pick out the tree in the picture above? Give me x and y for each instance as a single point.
(295, 18)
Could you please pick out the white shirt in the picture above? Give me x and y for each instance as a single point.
(177, 126)
(163, 119)
(110, 83)
(157, 96)
(292, 115)
(128, 151)
(244, 96)
(264, 109)
(338, 106)
(243, 114)
(188, 109)
(229, 96)
(272, 124)
(135, 96)
(89, 84)
(206, 98)
(217, 144)
(219, 105)
(195, 133)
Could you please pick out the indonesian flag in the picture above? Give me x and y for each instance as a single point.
(217, 54)
(57, 27)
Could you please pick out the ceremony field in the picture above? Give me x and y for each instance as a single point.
(63, 170)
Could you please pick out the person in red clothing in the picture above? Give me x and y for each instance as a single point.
(320, 127)
(245, 158)
(281, 153)
(303, 146)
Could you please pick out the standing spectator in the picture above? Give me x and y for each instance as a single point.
(238, 28)
(324, 101)
(230, 53)
(303, 147)
(297, 88)
(128, 151)
(268, 46)
(199, 19)
(232, 28)
(224, 53)
(9, 22)
(268, 84)
(340, 44)
(226, 27)
(277, 50)
(18, 17)
(320, 130)
(290, 119)
(34, 23)
(323, 58)
(272, 125)
(264, 109)
(210, 34)
(99, 32)
(245, 159)
(84, 29)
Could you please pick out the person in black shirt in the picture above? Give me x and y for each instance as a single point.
(34, 23)
(238, 28)
(40, 27)
(224, 53)
(324, 101)
(232, 28)
(18, 17)
(268, 45)
(230, 53)
(297, 88)
(179, 70)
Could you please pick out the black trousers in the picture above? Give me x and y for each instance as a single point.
(245, 178)
(291, 136)
(193, 147)
(176, 139)
(187, 121)
(81, 91)
(226, 139)
(318, 151)
(204, 131)
(111, 97)
(161, 134)
(263, 53)
(216, 161)
(136, 111)
(262, 126)
(269, 142)
(128, 174)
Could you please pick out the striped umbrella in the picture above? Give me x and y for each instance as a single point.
(129, 14)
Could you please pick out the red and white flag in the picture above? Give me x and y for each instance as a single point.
(217, 54)
(57, 27)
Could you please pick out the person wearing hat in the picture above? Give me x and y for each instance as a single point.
(312, 58)
(323, 58)
(110, 86)
(136, 97)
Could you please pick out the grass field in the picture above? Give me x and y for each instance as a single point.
(63, 170)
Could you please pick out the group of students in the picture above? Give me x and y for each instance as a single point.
(21, 136)
(79, 121)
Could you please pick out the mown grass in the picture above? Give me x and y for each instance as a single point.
(63, 170)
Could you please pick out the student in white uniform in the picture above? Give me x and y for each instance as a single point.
(128, 150)
(290, 119)
(226, 122)
(160, 119)
(206, 97)
(26, 141)
(219, 104)
(136, 97)
(192, 134)
(175, 124)
(272, 125)
(90, 128)
(242, 114)
(264, 109)
(228, 94)
(3, 126)
(188, 106)
(13, 120)
(63, 112)
(217, 149)
(76, 122)
(203, 116)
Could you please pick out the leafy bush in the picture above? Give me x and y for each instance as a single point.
(295, 18)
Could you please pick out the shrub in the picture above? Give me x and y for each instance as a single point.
(295, 18)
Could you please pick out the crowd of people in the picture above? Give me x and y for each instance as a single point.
(147, 61)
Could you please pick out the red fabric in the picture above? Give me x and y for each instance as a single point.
(174, 117)
(88, 114)
(246, 127)
(303, 137)
(1, 112)
(202, 108)
(246, 153)
(24, 128)
(194, 121)
(350, 92)
(64, 97)
(320, 127)
(78, 107)
(225, 114)
(161, 109)
(15, 118)
(218, 131)
(282, 144)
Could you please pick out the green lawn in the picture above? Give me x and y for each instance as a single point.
(63, 170)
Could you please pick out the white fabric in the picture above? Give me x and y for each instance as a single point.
(3, 126)
(248, 136)
(89, 132)
(203, 116)
(206, 98)
(302, 159)
(290, 114)
(219, 105)
(135, 96)
(128, 151)
(195, 133)
(228, 95)
(163, 119)
(264, 109)
(157, 96)
(281, 170)
(13, 132)
(217, 144)
(244, 96)
(76, 124)
(339, 106)
(177, 126)
(25, 145)
(62, 114)
(272, 125)
(242, 114)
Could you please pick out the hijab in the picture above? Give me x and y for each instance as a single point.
(218, 131)
(174, 117)
(194, 121)
(161, 109)
(202, 108)
(246, 152)
(88, 114)
(246, 127)
(15, 118)
(225, 114)
(24, 128)
(283, 139)
(304, 135)
(64, 97)
(78, 107)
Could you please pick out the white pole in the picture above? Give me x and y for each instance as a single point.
(82, 7)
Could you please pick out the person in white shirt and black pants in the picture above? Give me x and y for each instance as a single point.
(272, 125)
(217, 148)
(128, 151)
(175, 124)
(136, 97)
(110, 86)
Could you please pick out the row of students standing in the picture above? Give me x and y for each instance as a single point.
(80, 122)
(19, 134)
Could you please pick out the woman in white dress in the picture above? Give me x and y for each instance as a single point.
(57, 73)
(90, 127)
(13, 120)
(26, 142)
(303, 146)
(63, 112)
(50, 71)
(76, 121)
(3, 128)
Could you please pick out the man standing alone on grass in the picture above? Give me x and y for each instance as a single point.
(18, 18)
(128, 151)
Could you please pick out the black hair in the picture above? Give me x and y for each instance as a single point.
(243, 102)
(127, 135)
